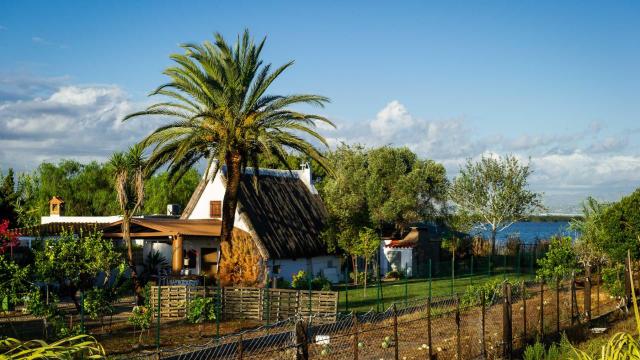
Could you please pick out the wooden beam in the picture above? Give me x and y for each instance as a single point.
(140, 235)
(176, 254)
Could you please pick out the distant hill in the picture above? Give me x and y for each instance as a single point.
(552, 217)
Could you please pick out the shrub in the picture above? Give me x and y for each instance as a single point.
(300, 281)
(393, 274)
(612, 278)
(361, 277)
(560, 261)
(201, 309)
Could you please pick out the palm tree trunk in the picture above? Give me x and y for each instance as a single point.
(233, 163)
(126, 235)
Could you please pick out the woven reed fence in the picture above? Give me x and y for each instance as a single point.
(245, 303)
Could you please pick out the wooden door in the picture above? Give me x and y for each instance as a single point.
(208, 261)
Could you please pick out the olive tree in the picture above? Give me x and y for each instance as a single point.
(494, 193)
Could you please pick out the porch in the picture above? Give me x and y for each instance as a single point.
(190, 246)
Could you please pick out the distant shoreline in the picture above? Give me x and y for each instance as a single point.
(551, 218)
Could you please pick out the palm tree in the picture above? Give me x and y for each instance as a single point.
(218, 96)
(128, 171)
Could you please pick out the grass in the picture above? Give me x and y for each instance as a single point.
(394, 291)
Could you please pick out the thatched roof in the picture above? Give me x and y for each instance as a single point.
(286, 217)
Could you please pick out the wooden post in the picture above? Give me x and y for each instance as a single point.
(429, 327)
(395, 331)
(302, 342)
(524, 309)
(542, 310)
(458, 345)
(627, 283)
(507, 335)
(355, 336)
(240, 348)
(177, 257)
(558, 306)
(587, 295)
(482, 338)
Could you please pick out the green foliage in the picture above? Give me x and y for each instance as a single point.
(201, 309)
(300, 281)
(620, 223)
(560, 351)
(394, 274)
(494, 191)
(613, 279)
(141, 317)
(560, 260)
(473, 294)
(14, 280)
(152, 263)
(360, 278)
(75, 347)
(73, 263)
(160, 191)
(8, 197)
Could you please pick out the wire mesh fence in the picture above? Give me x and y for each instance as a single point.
(439, 327)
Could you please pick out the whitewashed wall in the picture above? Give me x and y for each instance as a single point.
(406, 255)
(329, 266)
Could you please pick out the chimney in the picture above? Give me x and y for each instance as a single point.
(56, 206)
(306, 177)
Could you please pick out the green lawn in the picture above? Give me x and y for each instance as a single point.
(394, 291)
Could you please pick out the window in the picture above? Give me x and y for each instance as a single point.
(215, 209)
(395, 260)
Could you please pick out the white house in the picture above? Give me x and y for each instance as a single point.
(284, 216)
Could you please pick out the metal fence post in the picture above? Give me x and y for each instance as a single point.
(524, 308)
(406, 286)
(346, 289)
(558, 305)
(429, 327)
(483, 324)
(573, 297)
(542, 310)
(507, 335)
(429, 279)
(471, 277)
(395, 331)
(587, 295)
(458, 344)
(598, 290)
(518, 264)
(266, 288)
(453, 274)
(504, 266)
(158, 320)
(218, 308)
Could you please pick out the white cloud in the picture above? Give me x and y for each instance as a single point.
(42, 41)
(78, 122)
(568, 166)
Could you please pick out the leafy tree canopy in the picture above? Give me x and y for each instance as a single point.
(620, 228)
(560, 261)
(494, 192)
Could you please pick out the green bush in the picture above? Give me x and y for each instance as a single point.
(612, 278)
(300, 281)
(393, 274)
(560, 261)
(361, 277)
(321, 283)
(201, 309)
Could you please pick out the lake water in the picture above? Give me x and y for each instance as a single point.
(530, 232)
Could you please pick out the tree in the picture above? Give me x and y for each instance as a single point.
(74, 262)
(368, 243)
(219, 97)
(560, 261)
(620, 230)
(160, 191)
(8, 197)
(494, 192)
(453, 243)
(401, 189)
(128, 171)
(589, 244)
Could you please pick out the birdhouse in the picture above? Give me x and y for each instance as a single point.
(56, 206)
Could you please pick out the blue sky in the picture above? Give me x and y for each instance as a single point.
(557, 82)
